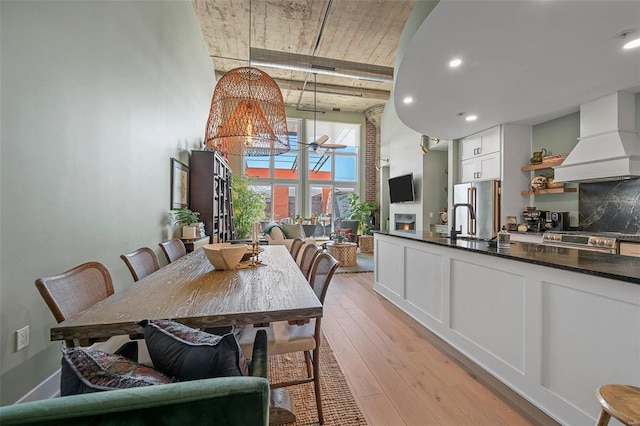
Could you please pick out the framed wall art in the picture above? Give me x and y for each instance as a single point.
(179, 184)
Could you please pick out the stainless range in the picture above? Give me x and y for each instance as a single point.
(604, 242)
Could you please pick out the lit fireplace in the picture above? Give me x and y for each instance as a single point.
(405, 222)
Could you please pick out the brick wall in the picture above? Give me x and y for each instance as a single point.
(371, 176)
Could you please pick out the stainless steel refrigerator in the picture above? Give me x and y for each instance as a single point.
(485, 199)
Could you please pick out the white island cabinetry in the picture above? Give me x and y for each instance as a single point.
(550, 334)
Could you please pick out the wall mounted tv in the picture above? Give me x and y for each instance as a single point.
(401, 189)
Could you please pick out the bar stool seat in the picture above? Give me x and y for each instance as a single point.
(619, 401)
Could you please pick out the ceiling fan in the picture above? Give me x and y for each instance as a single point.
(319, 144)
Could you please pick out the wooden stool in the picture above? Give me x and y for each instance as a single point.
(619, 401)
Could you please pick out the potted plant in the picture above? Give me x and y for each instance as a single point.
(338, 236)
(361, 211)
(188, 219)
(248, 205)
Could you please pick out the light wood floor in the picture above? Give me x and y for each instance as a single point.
(399, 372)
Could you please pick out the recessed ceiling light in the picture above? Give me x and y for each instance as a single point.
(455, 63)
(408, 100)
(632, 44)
(471, 117)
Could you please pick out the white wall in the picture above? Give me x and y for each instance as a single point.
(402, 147)
(96, 99)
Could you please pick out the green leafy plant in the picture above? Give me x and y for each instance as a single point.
(360, 211)
(248, 205)
(185, 216)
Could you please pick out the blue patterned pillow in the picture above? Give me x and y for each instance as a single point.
(86, 370)
(189, 354)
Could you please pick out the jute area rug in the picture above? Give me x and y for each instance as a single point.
(364, 263)
(338, 404)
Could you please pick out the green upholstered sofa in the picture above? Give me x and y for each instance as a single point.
(220, 401)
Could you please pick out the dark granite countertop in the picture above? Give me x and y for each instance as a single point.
(622, 268)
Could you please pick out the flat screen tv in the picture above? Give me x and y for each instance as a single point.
(401, 189)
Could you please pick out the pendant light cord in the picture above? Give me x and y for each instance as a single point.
(315, 104)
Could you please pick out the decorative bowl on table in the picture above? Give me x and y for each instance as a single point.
(225, 256)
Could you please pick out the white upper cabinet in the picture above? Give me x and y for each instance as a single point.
(483, 143)
(480, 156)
(483, 167)
(498, 154)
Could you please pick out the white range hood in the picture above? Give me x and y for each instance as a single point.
(608, 147)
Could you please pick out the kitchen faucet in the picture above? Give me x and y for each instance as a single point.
(472, 213)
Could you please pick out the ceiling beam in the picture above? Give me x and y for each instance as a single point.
(329, 89)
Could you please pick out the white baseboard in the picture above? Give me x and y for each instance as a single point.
(49, 388)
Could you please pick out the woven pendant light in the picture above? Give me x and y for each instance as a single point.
(247, 115)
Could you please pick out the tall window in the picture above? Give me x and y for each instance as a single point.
(277, 177)
(332, 172)
(306, 182)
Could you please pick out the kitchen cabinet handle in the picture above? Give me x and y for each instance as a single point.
(474, 203)
(479, 149)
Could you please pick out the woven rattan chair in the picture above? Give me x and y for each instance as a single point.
(173, 249)
(141, 262)
(296, 245)
(309, 255)
(74, 291)
(285, 338)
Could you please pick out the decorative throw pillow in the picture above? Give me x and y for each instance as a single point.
(87, 370)
(276, 233)
(189, 354)
(293, 231)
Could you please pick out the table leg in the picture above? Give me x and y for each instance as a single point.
(281, 409)
(603, 420)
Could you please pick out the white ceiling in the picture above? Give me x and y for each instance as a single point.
(523, 61)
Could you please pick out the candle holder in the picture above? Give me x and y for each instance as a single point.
(255, 249)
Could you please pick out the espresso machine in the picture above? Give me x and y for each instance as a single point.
(557, 221)
(535, 219)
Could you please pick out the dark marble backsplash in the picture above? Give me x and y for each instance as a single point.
(610, 206)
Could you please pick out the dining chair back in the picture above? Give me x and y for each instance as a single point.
(321, 274)
(284, 338)
(173, 249)
(141, 262)
(296, 245)
(309, 254)
(75, 290)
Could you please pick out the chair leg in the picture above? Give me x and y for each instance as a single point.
(603, 420)
(307, 360)
(316, 383)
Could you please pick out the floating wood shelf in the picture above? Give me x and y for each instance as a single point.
(550, 191)
(541, 166)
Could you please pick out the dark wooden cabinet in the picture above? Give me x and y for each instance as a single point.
(210, 194)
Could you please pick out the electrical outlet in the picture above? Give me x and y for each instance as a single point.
(22, 338)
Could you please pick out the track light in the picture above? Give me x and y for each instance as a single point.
(379, 163)
(424, 144)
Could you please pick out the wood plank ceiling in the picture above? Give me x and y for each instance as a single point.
(361, 32)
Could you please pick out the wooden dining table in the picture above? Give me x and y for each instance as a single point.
(192, 292)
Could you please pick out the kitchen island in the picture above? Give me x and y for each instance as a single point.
(551, 323)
